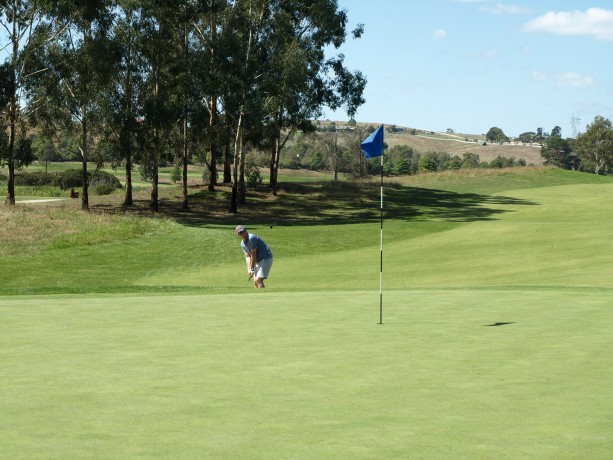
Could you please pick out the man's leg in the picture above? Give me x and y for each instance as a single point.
(261, 272)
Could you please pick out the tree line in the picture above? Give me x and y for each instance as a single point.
(591, 151)
(144, 81)
(341, 153)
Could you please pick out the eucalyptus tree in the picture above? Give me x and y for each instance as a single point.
(496, 134)
(121, 109)
(209, 61)
(559, 152)
(244, 25)
(19, 19)
(78, 61)
(281, 77)
(200, 85)
(301, 80)
(595, 146)
(160, 45)
(188, 87)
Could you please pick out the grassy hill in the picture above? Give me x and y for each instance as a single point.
(328, 224)
(457, 144)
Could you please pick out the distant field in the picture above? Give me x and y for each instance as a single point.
(455, 145)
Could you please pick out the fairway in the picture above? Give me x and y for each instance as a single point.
(309, 375)
(138, 338)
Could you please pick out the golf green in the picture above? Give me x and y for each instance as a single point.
(451, 373)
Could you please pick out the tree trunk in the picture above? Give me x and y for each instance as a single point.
(227, 165)
(125, 134)
(213, 146)
(335, 158)
(242, 195)
(238, 144)
(154, 202)
(274, 167)
(10, 198)
(84, 156)
(213, 119)
(271, 166)
(185, 158)
(128, 201)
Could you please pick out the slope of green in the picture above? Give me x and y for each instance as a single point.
(528, 228)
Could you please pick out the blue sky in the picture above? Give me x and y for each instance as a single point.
(469, 65)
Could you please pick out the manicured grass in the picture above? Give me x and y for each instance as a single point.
(297, 375)
(495, 341)
(326, 236)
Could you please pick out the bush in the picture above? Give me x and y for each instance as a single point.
(104, 189)
(35, 179)
(71, 178)
(146, 171)
(177, 174)
(252, 172)
(99, 178)
(3, 178)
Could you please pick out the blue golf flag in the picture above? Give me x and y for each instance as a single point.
(373, 145)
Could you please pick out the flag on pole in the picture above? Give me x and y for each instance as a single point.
(372, 147)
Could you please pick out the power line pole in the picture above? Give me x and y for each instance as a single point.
(574, 122)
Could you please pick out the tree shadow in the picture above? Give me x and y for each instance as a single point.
(325, 203)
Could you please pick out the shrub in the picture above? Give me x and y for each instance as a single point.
(3, 178)
(104, 189)
(146, 171)
(252, 172)
(35, 179)
(71, 178)
(177, 174)
(99, 178)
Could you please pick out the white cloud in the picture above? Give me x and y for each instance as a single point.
(574, 80)
(439, 34)
(537, 75)
(595, 22)
(501, 8)
(489, 54)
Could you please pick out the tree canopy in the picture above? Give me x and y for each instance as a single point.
(595, 146)
(145, 77)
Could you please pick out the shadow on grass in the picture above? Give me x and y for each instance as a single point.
(330, 203)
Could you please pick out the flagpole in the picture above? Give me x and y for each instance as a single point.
(373, 147)
(381, 253)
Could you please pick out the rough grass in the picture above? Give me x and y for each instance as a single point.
(27, 230)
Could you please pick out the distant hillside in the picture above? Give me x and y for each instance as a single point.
(457, 145)
(454, 143)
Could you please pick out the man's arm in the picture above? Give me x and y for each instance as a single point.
(253, 260)
(248, 261)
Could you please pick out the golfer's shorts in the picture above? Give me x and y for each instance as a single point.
(262, 268)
